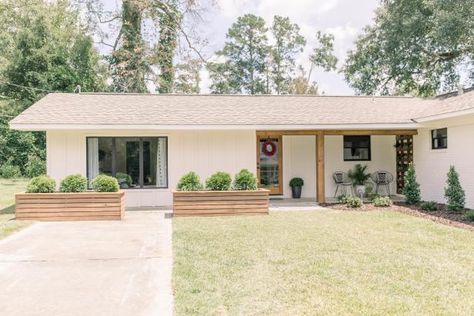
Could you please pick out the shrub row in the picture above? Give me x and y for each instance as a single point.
(72, 183)
(219, 181)
(34, 167)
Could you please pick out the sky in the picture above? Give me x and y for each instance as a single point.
(345, 19)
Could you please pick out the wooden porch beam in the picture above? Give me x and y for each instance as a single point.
(339, 132)
(320, 186)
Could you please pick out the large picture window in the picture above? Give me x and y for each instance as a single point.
(136, 162)
(439, 138)
(356, 148)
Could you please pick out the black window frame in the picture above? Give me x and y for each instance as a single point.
(353, 147)
(141, 176)
(438, 138)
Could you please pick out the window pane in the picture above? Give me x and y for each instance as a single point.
(154, 162)
(356, 147)
(127, 160)
(105, 156)
(92, 158)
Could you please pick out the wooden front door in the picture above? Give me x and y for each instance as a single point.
(269, 163)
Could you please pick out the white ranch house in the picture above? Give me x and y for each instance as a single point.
(155, 139)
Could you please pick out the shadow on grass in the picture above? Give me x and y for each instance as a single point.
(8, 210)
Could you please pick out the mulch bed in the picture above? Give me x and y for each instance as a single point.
(442, 215)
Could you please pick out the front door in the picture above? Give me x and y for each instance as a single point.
(269, 164)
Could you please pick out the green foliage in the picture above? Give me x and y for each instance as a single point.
(41, 184)
(429, 206)
(411, 190)
(296, 182)
(35, 167)
(73, 183)
(124, 178)
(359, 175)
(341, 199)
(189, 182)
(9, 171)
(382, 201)
(354, 202)
(414, 47)
(104, 183)
(245, 180)
(288, 43)
(245, 52)
(323, 55)
(188, 77)
(469, 216)
(453, 192)
(219, 181)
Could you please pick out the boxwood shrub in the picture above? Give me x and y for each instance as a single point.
(219, 181)
(382, 201)
(73, 183)
(469, 216)
(9, 171)
(245, 180)
(429, 206)
(354, 202)
(105, 183)
(189, 182)
(41, 184)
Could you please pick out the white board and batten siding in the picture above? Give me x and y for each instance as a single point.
(204, 152)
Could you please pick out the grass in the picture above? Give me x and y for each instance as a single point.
(8, 188)
(327, 262)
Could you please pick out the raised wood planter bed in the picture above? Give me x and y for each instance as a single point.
(70, 206)
(211, 203)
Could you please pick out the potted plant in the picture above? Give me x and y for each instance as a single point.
(359, 177)
(296, 184)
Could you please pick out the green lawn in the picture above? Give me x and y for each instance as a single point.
(326, 262)
(8, 188)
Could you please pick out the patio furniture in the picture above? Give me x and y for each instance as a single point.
(382, 178)
(342, 180)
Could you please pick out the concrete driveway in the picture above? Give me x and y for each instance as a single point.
(89, 268)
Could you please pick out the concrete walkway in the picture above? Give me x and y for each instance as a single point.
(89, 268)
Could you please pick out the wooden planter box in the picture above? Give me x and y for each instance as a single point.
(210, 203)
(70, 206)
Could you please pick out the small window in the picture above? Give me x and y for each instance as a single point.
(439, 138)
(356, 148)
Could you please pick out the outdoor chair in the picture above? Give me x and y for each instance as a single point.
(342, 181)
(382, 178)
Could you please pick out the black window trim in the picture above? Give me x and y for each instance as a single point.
(358, 159)
(140, 138)
(439, 138)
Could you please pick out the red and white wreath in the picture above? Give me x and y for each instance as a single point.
(269, 148)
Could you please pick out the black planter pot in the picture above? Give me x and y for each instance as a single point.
(296, 192)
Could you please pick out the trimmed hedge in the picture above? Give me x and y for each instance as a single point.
(73, 183)
(189, 182)
(104, 183)
(41, 184)
(219, 181)
(245, 180)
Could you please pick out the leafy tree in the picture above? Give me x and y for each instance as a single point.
(411, 190)
(414, 47)
(188, 77)
(223, 79)
(454, 193)
(301, 85)
(245, 53)
(288, 43)
(323, 54)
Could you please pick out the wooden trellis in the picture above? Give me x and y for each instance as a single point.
(404, 148)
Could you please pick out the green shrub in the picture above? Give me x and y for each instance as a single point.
(358, 175)
(189, 182)
(41, 184)
(73, 183)
(245, 180)
(9, 171)
(411, 190)
(354, 202)
(469, 216)
(382, 201)
(454, 193)
(219, 181)
(104, 183)
(341, 199)
(35, 167)
(296, 182)
(124, 178)
(429, 206)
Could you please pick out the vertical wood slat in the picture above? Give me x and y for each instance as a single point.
(209, 203)
(321, 195)
(70, 206)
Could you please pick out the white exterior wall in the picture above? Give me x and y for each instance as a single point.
(299, 160)
(432, 165)
(204, 152)
(383, 157)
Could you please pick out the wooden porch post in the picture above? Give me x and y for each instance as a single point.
(321, 196)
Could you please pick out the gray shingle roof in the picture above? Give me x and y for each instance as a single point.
(163, 110)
